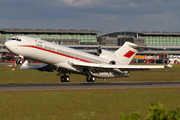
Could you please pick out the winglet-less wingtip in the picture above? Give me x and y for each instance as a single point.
(170, 64)
(24, 65)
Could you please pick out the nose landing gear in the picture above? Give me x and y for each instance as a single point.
(18, 60)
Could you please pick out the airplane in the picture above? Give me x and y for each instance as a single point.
(175, 58)
(67, 60)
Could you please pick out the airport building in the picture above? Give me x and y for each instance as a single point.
(58, 36)
(168, 41)
(141, 38)
(87, 40)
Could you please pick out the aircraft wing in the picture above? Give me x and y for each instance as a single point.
(43, 67)
(121, 67)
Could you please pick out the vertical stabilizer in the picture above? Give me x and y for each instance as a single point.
(126, 53)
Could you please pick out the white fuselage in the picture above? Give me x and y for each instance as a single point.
(106, 65)
(51, 53)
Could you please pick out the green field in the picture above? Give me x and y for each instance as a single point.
(83, 104)
(7, 75)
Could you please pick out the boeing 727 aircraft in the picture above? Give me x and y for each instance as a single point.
(67, 60)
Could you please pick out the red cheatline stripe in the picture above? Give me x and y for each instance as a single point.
(56, 53)
(129, 54)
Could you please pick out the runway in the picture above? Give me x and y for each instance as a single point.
(86, 86)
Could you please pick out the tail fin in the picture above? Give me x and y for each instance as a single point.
(126, 53)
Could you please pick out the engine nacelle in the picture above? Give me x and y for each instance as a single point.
(108, 55)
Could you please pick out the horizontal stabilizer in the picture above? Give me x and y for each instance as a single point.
(145, 47)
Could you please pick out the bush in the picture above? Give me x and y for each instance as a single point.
(156, 112)
(132, 116)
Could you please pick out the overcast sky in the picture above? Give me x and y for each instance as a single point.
(101, 15)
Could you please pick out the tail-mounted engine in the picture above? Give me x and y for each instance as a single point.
(112, 62)
(108, 55)
(99, 51)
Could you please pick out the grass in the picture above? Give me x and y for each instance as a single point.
(7, 75)
(83, 104)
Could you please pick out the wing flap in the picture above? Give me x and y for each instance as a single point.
(122, 67)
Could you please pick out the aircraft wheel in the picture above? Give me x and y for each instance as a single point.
(62, 79)
(19, 61)
(67, 79)
(88, 78)
(93, 79)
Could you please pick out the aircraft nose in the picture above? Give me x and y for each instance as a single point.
(7, 44)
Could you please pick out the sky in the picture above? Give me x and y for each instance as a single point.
(101, 15)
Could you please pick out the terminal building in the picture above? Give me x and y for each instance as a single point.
(87, 40)
(58, 36)
(142, 38)
(168, 41)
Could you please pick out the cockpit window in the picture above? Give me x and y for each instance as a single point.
(15, 39)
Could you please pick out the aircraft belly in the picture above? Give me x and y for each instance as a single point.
(65, 64)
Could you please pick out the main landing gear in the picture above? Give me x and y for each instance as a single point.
(90, 78)
(65, 78)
